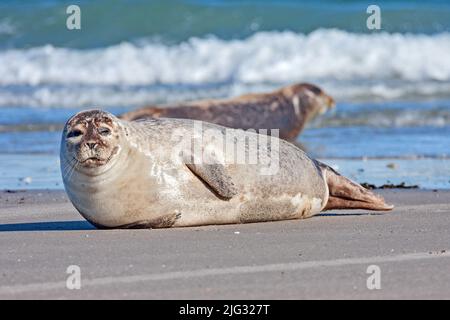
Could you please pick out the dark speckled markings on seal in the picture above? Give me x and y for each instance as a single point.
(121, 174)
(267, 210)
(287, 109)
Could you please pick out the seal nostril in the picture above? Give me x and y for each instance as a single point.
(91, 145)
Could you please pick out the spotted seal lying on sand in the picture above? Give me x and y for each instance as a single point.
(176, 172)
(287, 109)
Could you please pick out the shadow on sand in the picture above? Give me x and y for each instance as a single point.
(48, 226)
(349, 214)
(84, 225)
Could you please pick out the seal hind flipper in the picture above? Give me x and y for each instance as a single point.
(215, 177)
(346, 194)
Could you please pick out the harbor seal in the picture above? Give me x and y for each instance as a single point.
(176, 172)
(287, 109)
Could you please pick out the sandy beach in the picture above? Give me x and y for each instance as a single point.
(327, 256)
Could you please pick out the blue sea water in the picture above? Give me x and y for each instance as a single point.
(392, 86)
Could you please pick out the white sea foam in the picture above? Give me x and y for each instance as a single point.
(7, 27)
(347, 64)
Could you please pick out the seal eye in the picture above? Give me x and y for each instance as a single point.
(104, 131)
(74, 134)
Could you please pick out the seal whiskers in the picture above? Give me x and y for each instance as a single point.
(69, 168)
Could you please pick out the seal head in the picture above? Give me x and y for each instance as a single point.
(91, 139)
(310, 97)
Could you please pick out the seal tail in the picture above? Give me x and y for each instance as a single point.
(346, 194)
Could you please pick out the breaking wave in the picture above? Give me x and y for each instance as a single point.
(349, 65)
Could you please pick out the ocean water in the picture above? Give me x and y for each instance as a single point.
(392, 86)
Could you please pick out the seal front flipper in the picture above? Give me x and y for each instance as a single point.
(215, 177)
(346, 194)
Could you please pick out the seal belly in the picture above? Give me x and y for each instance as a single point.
(248, 210)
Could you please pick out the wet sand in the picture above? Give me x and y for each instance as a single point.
(327, 256)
